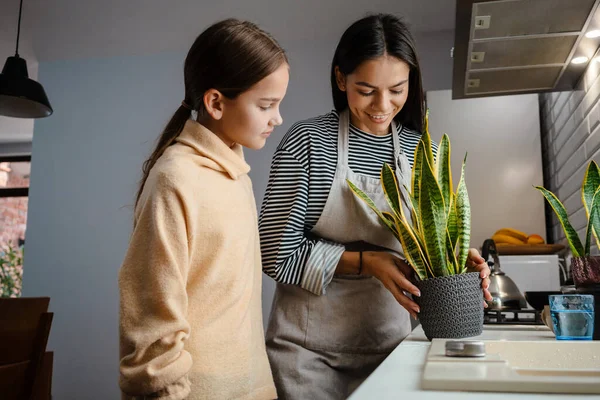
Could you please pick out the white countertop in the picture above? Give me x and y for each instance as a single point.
(399, 376)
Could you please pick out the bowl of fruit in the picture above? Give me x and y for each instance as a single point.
(511, 241)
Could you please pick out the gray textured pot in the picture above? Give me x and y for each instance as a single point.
(451, 306)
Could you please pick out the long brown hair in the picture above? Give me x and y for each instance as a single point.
(372, 37)
(230, 56)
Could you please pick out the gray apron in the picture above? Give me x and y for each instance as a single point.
(323, 347)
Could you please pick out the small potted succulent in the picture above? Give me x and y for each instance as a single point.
(435, 239)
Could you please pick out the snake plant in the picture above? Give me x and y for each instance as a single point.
(435, 236)
(591, 202)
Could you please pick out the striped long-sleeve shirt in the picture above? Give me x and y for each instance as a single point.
(302, 172)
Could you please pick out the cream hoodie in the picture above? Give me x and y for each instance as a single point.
(190, 284)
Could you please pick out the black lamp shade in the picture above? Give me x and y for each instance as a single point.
(20, 96)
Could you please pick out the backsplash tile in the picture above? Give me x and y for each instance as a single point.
(571, 139)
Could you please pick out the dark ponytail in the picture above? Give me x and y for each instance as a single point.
(170, 133)
(230, 56)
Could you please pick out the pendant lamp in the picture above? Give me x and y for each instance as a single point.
(20, 96)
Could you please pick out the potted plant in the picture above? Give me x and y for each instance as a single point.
(584, 267)
(435, 238)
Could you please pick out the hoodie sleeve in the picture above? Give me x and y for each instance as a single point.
(153, 298)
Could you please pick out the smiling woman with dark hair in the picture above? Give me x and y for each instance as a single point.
(340, 306)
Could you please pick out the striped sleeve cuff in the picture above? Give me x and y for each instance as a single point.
(321, 266)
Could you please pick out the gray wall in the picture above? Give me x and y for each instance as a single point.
(86, 163)
(571, 139)
(504, 158)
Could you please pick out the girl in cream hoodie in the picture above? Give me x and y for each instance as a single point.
(190, 284)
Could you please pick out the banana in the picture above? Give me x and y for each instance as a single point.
(521, 236)
(501, 238)
(535, 239)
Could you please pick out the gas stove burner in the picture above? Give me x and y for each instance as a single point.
(513, 317)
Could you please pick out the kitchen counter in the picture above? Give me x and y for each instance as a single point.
(399, 376)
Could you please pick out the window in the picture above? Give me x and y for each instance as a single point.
(14, 191)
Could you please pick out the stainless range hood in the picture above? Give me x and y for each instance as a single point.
(523, 46)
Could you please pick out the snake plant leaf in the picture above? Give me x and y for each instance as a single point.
(414, 212)
(444, 173)
(392, 223)
(364, 197)
(591, 182)
(390, 189)
(463, 216)
(412, 251)
(574, 242)
(414, 227)
(453, 221)
(452, 266)
(593, 222)
(416, 171)
(426, 140)
(419, 237)
(433, 220)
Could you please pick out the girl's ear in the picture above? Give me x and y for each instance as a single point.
(213, 103)
(340, 79)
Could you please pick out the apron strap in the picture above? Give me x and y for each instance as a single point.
(398, 152)
(343, 138)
